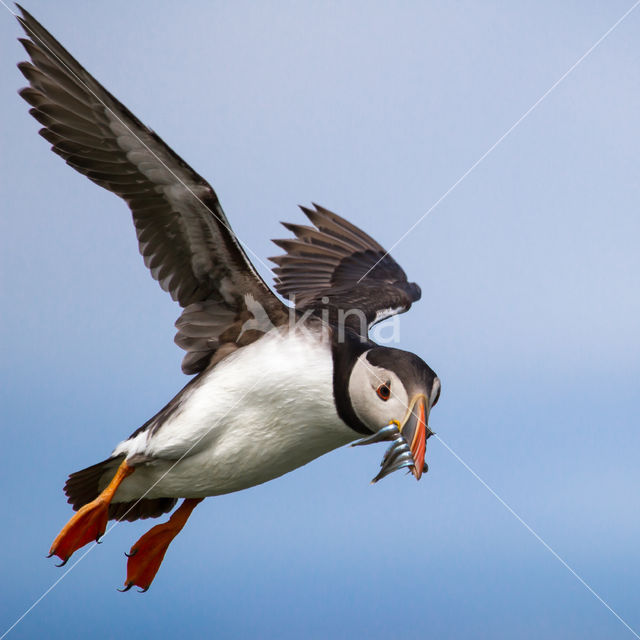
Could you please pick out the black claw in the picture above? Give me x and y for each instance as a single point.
(63, 562)
(50, 555)
(131, 553)
(126, 587)
(144, 590)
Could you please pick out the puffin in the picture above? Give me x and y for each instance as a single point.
(276, 381)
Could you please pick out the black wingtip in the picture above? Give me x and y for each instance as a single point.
(30, 26)
(26, 16)
(300, 231)
(27, 93)
(291, 226)
(282, 242)
(307, 212)
(26, 43)
(324, 211)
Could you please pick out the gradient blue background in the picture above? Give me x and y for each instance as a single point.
(530, 272)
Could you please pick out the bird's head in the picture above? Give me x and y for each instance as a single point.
(392, 393)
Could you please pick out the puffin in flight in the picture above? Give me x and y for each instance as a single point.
(274, 386)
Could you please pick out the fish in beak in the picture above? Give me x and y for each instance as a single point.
(409, 440)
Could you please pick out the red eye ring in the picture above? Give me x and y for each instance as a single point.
(384, 391)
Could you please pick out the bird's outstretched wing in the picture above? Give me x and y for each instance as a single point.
(183, 234)
(336, 266)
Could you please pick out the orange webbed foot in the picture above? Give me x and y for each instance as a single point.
(90, 522)
(85, 526)
(146, 555)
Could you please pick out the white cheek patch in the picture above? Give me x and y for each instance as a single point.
(368, 406)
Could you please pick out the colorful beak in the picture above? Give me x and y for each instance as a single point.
(415, 432)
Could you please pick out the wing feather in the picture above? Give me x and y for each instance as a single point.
(337, 266)
(183, 234)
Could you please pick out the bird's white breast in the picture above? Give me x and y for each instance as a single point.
(266, 409)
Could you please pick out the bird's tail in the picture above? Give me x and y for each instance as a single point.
(85, 485)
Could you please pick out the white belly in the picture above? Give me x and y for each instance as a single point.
(262, 412)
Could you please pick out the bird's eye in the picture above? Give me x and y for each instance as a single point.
(384, 391)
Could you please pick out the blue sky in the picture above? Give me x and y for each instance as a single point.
(530, 315)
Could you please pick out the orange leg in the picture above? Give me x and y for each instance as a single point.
(90, 522)
(147, 554)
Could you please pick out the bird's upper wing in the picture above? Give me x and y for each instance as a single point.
(183, 234)
(339, 267)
